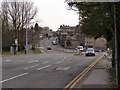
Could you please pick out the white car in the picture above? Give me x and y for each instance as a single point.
(54, 42)
(90, 52)
(80, 48)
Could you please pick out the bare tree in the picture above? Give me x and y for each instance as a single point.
(16, 15)
(20, 13)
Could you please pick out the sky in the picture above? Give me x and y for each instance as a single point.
(53, 13)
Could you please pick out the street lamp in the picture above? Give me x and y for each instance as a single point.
(26, 50)
(116, 49)
(79, 29)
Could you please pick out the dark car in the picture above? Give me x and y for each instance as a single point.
(96, 50)
(48, 48)
(90, 52)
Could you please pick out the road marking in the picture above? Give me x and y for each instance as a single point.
(63, 68)
(8, 60)
(58, 62)
(44, 67)
(77, 78)
(45, 62)
(5, 61)
(32, 61)
(13, 77)
(31, 66)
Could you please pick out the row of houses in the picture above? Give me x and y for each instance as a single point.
(71, 37)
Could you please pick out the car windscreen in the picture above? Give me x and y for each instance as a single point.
(90, 50)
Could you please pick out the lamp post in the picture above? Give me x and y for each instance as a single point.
(26, 50)
(116, 49)
(79, 29)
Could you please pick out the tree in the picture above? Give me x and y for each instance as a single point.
(36, 27)
(19, 14)
(15, 16)
(98, 20)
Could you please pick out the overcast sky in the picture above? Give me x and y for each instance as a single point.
(53, 13)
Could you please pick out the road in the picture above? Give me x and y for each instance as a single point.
(48, 70)
(55, 48)
(43, 71)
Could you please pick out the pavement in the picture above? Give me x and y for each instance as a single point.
(97, 77)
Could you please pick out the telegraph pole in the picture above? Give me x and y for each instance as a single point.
(79, 30)
(26, 50)
(116, 49)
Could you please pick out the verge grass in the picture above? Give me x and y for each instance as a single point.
(37, 51)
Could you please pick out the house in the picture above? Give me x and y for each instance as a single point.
(46, 31)
(80, 36)
(99, 43)
(68, 37)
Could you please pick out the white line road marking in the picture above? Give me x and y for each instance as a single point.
(45, 62)
(63, 68)
(8, 60)
(32, 61)
(31, 66)
(44, 67)
(13, 77)
(58, 62)
(5, 61)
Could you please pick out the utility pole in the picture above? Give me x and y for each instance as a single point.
(26, 50)
(0, 35)
(116, 49)
(79, 30)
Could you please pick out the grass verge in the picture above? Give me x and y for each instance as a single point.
(6, 53)
(37, 51)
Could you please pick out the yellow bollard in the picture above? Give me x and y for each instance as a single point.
(76, 52)
(68, 51)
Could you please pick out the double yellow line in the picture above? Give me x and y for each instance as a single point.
(77, 79)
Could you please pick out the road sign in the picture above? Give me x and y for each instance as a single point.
(38, 45)
(16, 41)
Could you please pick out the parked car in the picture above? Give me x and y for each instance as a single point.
(96, 50)
(80, 48)
(54, 42)
(48, 48)
(90, 52)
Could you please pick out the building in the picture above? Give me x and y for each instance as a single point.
(80, 36)
(68, 37)
(99, 43)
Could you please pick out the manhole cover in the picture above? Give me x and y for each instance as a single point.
(63, 68)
